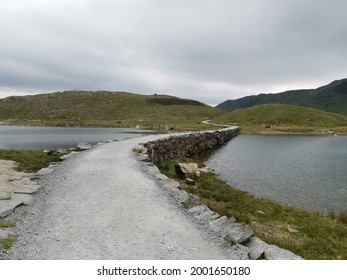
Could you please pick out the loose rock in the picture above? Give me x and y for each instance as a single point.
(84, 146)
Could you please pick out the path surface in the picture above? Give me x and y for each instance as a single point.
(99, 204)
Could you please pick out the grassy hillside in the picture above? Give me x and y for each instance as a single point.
(287, 118)
(101, 108)
(330, 98)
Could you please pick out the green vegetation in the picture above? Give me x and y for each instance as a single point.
(330, 98)
(30, 161)
(310, 235)
(7, 224)
(106, 109)
(6, 243)
(284, 118)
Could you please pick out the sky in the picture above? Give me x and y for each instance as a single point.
(208, 50)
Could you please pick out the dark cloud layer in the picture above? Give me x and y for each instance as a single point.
(209, 50)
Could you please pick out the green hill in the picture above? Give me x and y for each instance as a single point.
(285, 118)
(101, 108)
(330, 98)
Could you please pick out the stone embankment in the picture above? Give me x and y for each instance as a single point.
(189, 144)
(237, 236)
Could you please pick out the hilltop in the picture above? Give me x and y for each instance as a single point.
(284, 118)
(107, 109)
(330, 98)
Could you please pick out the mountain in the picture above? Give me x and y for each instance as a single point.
(286, 118)
(102, 108)
(330, 98)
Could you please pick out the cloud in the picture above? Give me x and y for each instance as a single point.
(206, 50)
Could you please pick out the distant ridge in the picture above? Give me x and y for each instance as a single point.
(330, 98)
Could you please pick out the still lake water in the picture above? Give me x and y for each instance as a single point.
(306, 171)
(42, 138)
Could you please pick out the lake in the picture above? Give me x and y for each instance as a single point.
(47, 138)
(306, 171)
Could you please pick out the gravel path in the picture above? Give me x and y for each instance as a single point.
(99, 204)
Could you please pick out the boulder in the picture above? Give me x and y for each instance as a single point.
(84, 146)
(138, 148)
(185, 170)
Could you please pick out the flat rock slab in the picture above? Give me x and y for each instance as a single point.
(27, 189)
(161, 176)
(7, 206)
(236, 233)
(4, 233)
(275, 253)
(257, 247)
(44, 171)
(5, 195)
(172, 184)
(203, 212)
(22, 198)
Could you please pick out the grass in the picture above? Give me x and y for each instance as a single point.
(7, 224)
(284, 118)
(310, 235)
(7, 242)
(29, 160)
(106, 109)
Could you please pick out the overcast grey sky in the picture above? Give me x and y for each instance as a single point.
(210, 50)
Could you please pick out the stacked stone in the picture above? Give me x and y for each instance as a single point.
(189, 144)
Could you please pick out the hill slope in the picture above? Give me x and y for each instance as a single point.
(101, 108)
(330, 98)
(279, 117)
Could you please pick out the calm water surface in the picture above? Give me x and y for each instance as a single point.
(306, 171)
(27, 137)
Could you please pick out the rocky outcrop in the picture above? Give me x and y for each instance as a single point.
(189, 144)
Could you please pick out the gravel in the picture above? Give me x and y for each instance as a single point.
(100, 204)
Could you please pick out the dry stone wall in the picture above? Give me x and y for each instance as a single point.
(189, 144)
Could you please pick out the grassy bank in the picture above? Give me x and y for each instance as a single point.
(279, 118)
(310, 235)
(29, 160)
